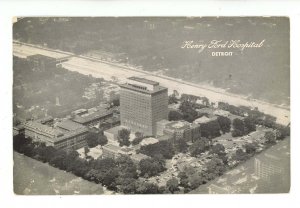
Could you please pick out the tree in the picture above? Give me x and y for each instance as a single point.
(46, 153)
(188, 111)
(184, 182)
(151, 167)
(164, 148)
(196, 180)
(270, 137)
(218, 148)
(138, 138)
(238, 127)
(210, 129)
(127, 167)
(215, 166)
(147, 188)
(102, 140)
(173, 99)
(123, 137)
(282, 131)
(181, 145)
(104, 164)
(172, 185)
(86, 151)
(240, 155)
(109, 178)
(59, 160)
(127, 185)
(225, 124)
(249, 125)
(174, 116)
(250, 148)
(115, 101)
(92, 139)
(199, 146)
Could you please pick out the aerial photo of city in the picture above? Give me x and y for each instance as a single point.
(151, 105)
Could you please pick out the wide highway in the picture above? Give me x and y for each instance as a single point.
(106, 70)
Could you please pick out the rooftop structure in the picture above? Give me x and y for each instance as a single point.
(46, 120)
(49, 131)
(68, 125)
(80, 111)
(148, 141)
(182, 130)
(178, 125)
(204, 119)
(110, 122)
(59, 138)
(114, 151)
(92, 118)
(143, 80)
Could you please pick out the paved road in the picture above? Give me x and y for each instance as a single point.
(98, 68)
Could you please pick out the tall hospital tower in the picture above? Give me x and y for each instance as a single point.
(143, 102)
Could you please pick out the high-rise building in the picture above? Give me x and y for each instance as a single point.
(143, 102)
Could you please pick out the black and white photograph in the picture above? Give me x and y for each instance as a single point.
(151, 105)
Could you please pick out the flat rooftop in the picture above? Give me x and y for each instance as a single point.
(179, 125)
(55, 135)
(43, 128)
(45, 119)
(69, 125)
(91, 117)
(143, 80)
(157, 89)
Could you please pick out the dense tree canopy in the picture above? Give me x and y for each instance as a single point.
(172, 185)
(175, 116)
(188, 111)
(225, 124)
(249, 125)
(210, 129)
(238, 127)
(123, 137)
(199, 147)
(164, 148)
(250, 148)
(270, 137)
(138, 138)
(92, 139)
(151, 167)
(181, 145)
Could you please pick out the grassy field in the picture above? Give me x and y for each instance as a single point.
(32, 177)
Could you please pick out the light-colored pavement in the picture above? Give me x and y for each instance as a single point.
(106, 70)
